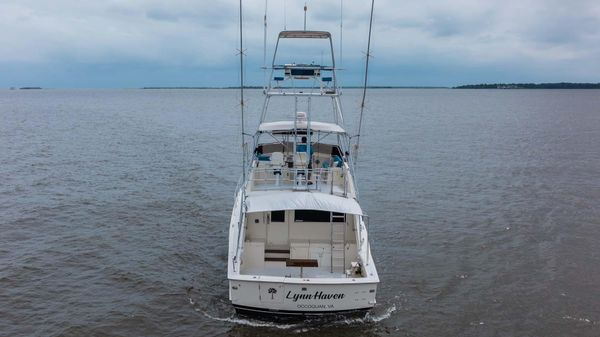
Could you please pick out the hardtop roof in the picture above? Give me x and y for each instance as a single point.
(304, 34)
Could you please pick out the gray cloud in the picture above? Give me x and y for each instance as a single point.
(465, 35)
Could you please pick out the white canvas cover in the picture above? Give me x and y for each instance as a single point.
(289, 125)
(262, 201)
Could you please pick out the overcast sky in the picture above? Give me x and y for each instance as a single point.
(136, 43)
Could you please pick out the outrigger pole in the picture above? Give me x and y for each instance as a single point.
(265, 49)
(364, 95)
(340, 58)
(242, 96)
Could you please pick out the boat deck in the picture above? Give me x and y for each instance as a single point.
(299, 259)
(273, 176)
(331, 181)
(276, 268)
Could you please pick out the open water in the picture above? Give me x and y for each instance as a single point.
(484, 206)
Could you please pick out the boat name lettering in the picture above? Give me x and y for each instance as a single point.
(318, 295)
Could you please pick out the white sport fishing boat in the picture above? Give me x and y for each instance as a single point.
(298, 242)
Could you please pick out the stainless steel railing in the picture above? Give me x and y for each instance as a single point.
(327, 180)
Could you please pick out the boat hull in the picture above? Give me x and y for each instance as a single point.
(292, 299)
(291, 314)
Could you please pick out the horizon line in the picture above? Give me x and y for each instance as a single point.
(497, 85)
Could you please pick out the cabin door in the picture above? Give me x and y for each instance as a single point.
(278, 229)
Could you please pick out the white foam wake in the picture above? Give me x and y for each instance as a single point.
(369, 318)
(249, 322)
(385, 315)
(579, 319)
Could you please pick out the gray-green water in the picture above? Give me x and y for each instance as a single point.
(484, 206)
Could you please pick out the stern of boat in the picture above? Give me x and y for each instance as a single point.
(283, 298)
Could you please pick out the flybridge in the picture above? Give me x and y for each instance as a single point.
(302, 71)
(287, 79)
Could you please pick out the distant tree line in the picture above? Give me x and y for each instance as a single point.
(560, 85)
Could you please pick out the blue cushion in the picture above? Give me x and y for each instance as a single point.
(338, 161)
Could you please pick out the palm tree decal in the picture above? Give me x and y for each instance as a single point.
(272, 291)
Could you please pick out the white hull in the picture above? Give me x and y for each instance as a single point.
(264, 294)
(301, 298)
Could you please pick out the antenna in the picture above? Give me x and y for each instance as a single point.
(364, 95)
(305, 8)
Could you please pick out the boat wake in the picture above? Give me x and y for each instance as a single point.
(370, 317)
(310, 323)
(385, 315)
(250, 322)
(245, 321)
(580, 319)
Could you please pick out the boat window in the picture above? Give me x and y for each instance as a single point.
(303, 215)
(338, 217)
(277, 216)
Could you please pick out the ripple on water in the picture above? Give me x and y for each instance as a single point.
(114, 208)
